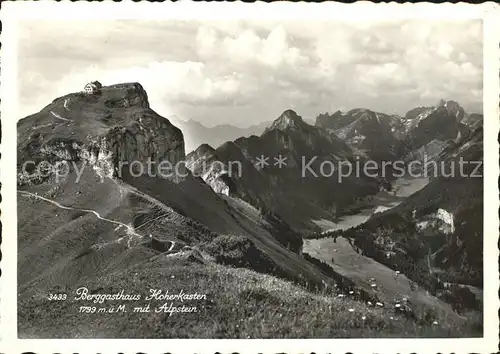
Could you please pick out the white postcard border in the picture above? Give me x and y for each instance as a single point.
(13, 12)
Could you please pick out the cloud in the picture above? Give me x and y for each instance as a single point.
(248, 47)
(206, 38)
(445, 50)
(168, 83)
(244, 72)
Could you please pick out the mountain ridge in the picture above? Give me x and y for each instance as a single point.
(388, 137)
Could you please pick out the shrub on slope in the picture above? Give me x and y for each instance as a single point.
(239, 252)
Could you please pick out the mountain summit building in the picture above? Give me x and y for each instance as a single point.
(92, 87)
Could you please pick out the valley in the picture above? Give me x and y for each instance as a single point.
(382, 201)
(391, 287)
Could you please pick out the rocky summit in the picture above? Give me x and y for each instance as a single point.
(115, 125)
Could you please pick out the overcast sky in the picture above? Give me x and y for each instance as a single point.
(247, 72)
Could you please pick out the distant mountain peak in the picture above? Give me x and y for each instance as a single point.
(451, 107)
(454, 109)
(205, 149)
(446, 103)
(289, 113)
(289, 119)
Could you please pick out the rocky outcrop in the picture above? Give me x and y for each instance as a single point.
(289, 120)
(108, 130)
(473, 120)
(333, 121)
(440, 221)
(204, 163)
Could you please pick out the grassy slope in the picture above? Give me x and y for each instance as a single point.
(240, 304)
(390, 288)
(55, 244)
(200, 203)
(58, 260)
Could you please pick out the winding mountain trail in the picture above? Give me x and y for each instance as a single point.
(59, 117)
(41, 126)
(130, 229)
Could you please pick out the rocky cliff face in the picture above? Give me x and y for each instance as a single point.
(113, 128)
(429, 130)
(442, 122)
(204, 163)
(375, 134)
(425, 154)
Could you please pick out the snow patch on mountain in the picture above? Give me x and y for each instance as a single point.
(441, 220)
(412, 123)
